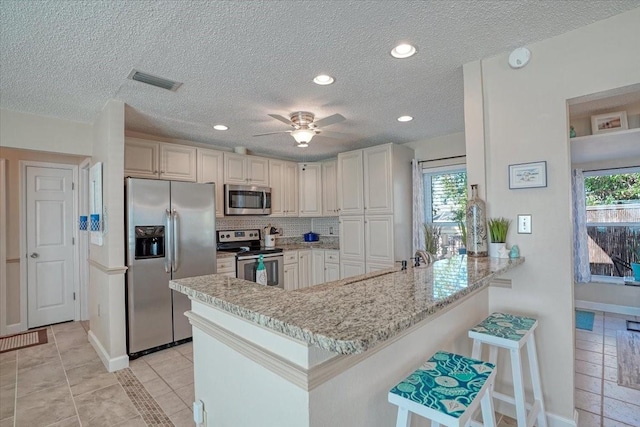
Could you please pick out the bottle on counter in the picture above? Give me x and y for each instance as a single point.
(476, 225)
(261, 272)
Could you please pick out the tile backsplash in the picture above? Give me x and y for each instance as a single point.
(291, 227)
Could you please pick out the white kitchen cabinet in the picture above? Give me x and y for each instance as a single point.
(226, 266)
(375, 229)
(304, 268)
(310, 189)
(378, 238)
(331, 265)
(352, 238)
(318, 267)
(350, 183)
(211, 169)
(290, 257)
(371, 267)
(330, 188)
(159, 160)
(291, 277)
(283, 177)
(349, 268)
(378, 195)
(246, 170)
(331, 272)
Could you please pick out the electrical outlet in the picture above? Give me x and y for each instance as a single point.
(524, 224)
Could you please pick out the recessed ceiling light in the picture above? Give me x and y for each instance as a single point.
(405, 118)
(221, 127)
(323, 79)
(403, 51)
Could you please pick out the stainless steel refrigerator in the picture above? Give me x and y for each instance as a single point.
(170, 235)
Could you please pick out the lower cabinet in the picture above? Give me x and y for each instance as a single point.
(226, 266)
(331, 272)
(291, 276)
(350, 268)
(304, 268)
(318, 267)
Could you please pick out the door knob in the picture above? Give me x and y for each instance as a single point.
(34, 255)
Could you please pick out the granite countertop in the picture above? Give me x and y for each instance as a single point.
(309, 245)
(223, 254)
(352, 315)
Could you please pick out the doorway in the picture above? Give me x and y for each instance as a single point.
(49, 273)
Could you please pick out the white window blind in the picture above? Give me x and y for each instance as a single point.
(445, 195)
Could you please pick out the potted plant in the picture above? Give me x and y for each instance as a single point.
(498, 228)
(462, 225)
(431, 238)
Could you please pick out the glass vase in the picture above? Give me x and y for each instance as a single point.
(476, 225)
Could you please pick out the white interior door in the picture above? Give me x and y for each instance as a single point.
(49, 226)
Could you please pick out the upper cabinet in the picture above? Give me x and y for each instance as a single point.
(330, 188)
(350, 183)
(210, 169)
(284, 188)
(310, 189)
(246, 170)
(152, 159)
(378, 197)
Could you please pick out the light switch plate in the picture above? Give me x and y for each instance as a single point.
(524, 224)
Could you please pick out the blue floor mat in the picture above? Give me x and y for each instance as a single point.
(584, 320)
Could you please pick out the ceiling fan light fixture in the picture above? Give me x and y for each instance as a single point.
(403, 50)
(323, 79)
(405, 118)
(221, 127)
(303, 136)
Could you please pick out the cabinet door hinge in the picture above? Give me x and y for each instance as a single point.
(73, 240)
(73, 185)
(74, 296)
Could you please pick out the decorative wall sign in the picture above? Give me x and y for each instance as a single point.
(528, 175)
(609, 122)
(95, 201)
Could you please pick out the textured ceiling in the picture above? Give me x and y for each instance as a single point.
(241, 60)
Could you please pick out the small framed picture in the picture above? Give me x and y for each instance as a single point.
(609, 122)
(528, 175)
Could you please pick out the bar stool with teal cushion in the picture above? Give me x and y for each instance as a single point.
(503, 330)
(447, 389)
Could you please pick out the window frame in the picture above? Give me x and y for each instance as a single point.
(428, 191)
(595, 278)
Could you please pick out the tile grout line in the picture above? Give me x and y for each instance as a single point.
(66, 377)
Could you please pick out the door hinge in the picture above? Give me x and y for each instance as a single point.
(73, 240)
(74, 296)
(73, 185)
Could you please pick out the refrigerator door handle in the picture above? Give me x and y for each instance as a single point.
(169, 243)
(174, 239)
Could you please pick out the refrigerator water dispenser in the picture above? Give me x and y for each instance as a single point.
(149, 242)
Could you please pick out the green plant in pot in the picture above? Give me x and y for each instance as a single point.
(498, 229)
(462, 225)
(431, 238)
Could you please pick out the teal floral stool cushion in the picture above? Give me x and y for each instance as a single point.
(507, 326)
(447, 383)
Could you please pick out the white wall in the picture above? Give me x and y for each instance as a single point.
(442, 146)
(34, 132)
(106, 274)
(526, 120)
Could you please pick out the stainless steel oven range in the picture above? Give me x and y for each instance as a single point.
(246, 244)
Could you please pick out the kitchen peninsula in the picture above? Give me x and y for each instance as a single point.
(327, 355)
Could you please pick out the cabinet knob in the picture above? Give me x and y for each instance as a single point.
(155, 171)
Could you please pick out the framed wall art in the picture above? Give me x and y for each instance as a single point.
(609, 122)
(528, 175)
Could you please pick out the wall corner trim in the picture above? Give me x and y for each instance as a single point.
(112, 364)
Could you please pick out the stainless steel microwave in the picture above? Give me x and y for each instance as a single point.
(247, 200)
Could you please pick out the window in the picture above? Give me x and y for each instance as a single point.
(445, 198)
(613, 221)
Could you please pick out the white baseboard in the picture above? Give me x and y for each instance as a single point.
(553, 420)
(112, 364)
(610, 308)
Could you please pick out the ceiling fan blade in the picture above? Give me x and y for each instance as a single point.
(336, 118)
(273, 133)
(282, 119)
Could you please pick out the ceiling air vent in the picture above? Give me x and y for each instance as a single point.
(154, 80)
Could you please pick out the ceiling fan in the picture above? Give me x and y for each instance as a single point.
(304, 126)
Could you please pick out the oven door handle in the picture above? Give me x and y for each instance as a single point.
(255, 257)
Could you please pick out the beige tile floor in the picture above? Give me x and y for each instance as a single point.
(63, 383)
(600, 401)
